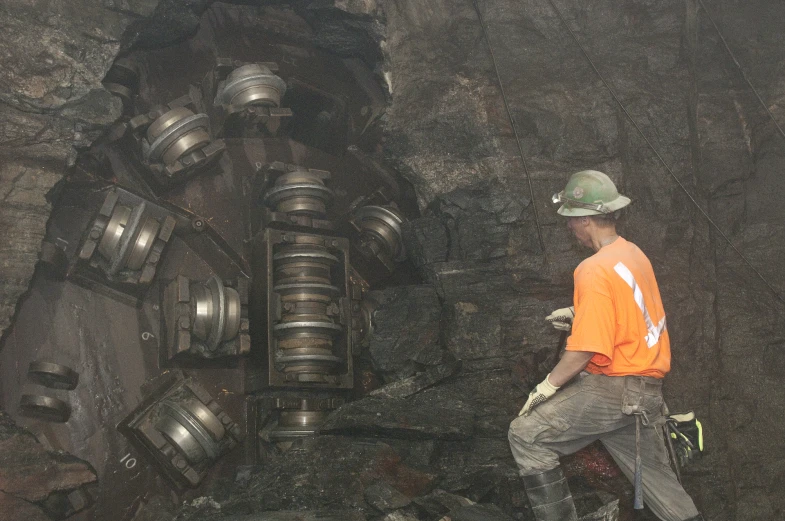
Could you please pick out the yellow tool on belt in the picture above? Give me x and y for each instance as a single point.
(684, 433)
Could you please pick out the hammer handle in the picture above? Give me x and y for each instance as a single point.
(638, 481)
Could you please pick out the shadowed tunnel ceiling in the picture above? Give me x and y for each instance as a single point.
(357, 251)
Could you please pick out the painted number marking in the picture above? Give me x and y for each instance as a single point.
(147, 335)
(129, 461)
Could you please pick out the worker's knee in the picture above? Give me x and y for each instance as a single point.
(523, 431)
(530, 451)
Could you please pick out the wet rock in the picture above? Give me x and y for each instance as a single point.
(385, 498)
(426, 241)
(52, 61)
(297, 515)
(486, 283)
(24, 211)
(495, 481)
(594, 464)
(154, 509)
(394, 418)
(348, 28)
(414, 384)
(30, 472)
(169, 22)
(609, 512)
(401, 515)
(487, 394)
(13, 508)
(480, 470)
(480, 220)
(467, 228)
(473, 334)
(320, 473)
(64, 504)
(418, 454)
(444, 115)
(406, 336)
(440, 502)
(477, 513)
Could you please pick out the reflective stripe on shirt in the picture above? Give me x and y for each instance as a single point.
(654, 331)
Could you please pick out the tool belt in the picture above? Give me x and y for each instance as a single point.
(642, 397)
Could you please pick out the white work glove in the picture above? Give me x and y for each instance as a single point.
(539, 394)
(561, 319)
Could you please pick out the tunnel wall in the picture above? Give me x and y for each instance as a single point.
(672, 73)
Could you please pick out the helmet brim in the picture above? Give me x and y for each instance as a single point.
(571, 211)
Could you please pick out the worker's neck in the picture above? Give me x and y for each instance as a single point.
(602, 237)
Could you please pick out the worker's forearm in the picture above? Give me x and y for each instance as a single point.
(572, 363)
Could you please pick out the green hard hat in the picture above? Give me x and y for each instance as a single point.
(589, 192)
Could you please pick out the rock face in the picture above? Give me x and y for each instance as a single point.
(447, 128)
(34, 480)
(53, 58)
(407, 331)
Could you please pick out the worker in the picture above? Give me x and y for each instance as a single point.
(611, 371)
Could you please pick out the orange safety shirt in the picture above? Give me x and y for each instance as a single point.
(619, 314)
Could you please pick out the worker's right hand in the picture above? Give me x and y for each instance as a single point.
(539, 394)
(561, 319)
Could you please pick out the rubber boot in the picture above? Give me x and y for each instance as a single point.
(550, 496)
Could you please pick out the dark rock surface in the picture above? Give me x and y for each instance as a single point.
(673, 75)
(385, 498)
(297, 515)
(609, 512)
(164, 22)
(13, 507)
(412, 385)
(390, 418)
(406, 331)
(326, 472)
(52, 60)
(30, 475)
(478, 513)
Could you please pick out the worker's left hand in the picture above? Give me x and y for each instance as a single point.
(539, 394)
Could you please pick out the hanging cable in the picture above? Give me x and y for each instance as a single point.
(738, 65)
(668, 168)
(512, 123)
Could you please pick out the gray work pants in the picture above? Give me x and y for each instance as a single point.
(590, 409)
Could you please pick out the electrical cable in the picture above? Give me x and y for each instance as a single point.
(738, 65)
(512, 123)
(668, 168)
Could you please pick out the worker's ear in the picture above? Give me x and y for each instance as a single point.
(584, 220)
